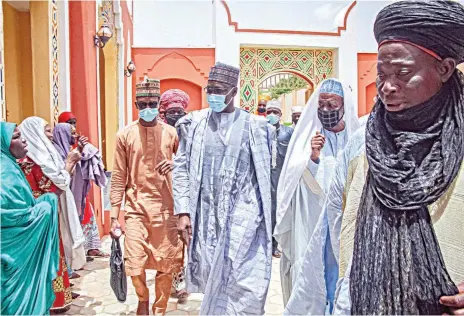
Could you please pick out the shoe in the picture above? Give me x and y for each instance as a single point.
(143, 308)
(276, 253)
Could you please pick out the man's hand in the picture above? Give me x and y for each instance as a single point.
(115, 231)
(164, 167)
(317, 143)
(455, 302)
(184, 229)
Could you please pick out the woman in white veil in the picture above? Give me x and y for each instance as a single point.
(301, 192)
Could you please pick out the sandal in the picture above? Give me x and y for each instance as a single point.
(97, 253)
(74, 275)
(75, 295)
(276, 253)
(182, 296)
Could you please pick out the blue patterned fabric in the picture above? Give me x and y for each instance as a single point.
(225, 187)
(332, 86)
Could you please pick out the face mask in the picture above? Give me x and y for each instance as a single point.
(148, 114)
(273, 119)
(329, 119)
(261, 110)
(173, 118)
(217, 102)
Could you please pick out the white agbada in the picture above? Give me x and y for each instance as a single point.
(315, 283)
(303, 184)
(44, 154)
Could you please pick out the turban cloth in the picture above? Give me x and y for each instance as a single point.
(414, 156)
(65, 117)
(437, 26)
(174, 98)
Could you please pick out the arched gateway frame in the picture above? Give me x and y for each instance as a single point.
(256, 64)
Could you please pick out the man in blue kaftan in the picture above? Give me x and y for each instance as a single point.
(222, 194)
(278, 151)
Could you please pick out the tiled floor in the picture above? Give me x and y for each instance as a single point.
(97, 297)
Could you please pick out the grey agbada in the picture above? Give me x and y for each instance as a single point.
(414, 156)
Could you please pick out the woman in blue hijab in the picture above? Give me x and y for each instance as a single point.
(29, 234)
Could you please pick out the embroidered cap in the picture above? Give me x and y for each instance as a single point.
(224, 73)
(332, 86)
(148, 88)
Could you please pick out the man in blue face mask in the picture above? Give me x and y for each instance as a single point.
(142, 174)
(222, 195)
(279, 150)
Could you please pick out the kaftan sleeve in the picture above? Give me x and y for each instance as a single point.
(180, 175)
(118, 176)
(336, 194)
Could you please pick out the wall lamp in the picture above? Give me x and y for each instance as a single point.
(129, 69)
(103, 35)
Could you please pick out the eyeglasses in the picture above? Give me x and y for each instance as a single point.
(144, 105)
(216, 90)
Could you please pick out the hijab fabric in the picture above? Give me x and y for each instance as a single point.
(62, 139)
(44, 154)
(29, 239)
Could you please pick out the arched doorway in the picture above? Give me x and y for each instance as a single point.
(192, 89)
(289, 88)
(256, 64)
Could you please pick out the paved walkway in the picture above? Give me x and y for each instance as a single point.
(97, 297)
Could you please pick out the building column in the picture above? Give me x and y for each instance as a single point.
(83, 81)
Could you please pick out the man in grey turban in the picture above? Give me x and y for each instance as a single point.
(401, 249)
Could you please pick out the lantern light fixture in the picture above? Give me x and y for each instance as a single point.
(129, 69)
(103, 35)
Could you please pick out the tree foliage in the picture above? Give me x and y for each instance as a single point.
(287, 85)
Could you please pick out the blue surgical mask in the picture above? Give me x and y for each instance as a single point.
(148, 114)
(217, 102)
(273, 119)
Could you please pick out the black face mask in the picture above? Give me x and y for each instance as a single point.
(329, 119)
(172, 119)
(261, 110)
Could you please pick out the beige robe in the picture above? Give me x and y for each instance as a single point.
(151, 240)
(446, 214)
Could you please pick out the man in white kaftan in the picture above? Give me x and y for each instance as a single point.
(222, 193)
(305, 182)
(314, 287)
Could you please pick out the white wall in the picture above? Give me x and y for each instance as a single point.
(204, 23)
(173, 23)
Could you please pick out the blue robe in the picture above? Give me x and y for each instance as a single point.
(221, 179)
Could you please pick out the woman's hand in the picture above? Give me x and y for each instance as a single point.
(74, 156)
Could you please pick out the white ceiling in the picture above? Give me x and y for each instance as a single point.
(19, 5)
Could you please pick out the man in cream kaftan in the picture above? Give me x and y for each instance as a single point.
(305, 182)
(222, 185)
(141, 175)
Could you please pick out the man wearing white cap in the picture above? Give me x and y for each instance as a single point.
(279, 150)
(296, 113)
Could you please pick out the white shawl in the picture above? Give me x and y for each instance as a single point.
(44, 154)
